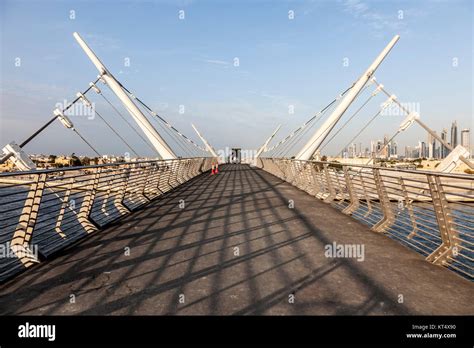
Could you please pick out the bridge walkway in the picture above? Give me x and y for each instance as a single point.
(235, 247)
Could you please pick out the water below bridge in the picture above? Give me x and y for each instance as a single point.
(231, 244)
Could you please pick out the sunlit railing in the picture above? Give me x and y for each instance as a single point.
(44, 211)
(430, 212)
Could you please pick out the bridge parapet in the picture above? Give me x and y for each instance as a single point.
(430, 212)
(43, 211)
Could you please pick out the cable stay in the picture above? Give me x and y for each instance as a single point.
(175, 136)
(68, 124)
(290, 137)
(272, 151)
(21, 159)
(323, 131)
(99, 92)
(145, 124)
(383, 107)
(156, 115)
(459, 153)
(330, 125)
(364, 104)
(296, 138)
(88, 104)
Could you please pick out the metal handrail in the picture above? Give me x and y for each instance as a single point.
(46, 212)
(430, 212)
(64, 169)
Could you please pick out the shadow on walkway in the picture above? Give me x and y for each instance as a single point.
(235, 248)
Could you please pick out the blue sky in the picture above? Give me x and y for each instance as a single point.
(190, 62)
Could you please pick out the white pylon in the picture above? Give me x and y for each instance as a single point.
(264, 146)
(208, 147)
(310, 148)
(156, 140)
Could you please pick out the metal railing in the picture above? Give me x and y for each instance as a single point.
(430, 212)
(44, 211)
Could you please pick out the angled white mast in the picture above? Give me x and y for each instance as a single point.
(208, 147)
(264, 146)
(310, 148)
(156, 140)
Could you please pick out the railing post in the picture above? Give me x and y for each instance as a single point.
(367, 197)
(342, 189)
(148, 189)
(321, 190)
(168, 170)
(281, 166)
(192, 168)
(154, 179)
(119, 201)
(202, 165)
(142, 174)
(173, 177)
(388, 216)
(103, 208)
(64, 205)
(409, 207)
(287, 167)
(314, 176)
(187, 170)
(299, 174)
(291, 171)
(26, 224)
(330, 186)
(86, 207)
(354, 205)
(448, 235)
(197, 166)
(309, 178)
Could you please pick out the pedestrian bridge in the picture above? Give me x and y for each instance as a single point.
(165, 237)
(287, 235)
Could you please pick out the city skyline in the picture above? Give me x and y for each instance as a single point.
(432, 148)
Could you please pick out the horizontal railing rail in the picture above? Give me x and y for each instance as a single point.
(43, 211)
(430, 212)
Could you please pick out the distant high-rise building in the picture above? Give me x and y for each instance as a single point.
(422, 149)
(454, 134)
(444, 149)
(345, 153)
(466, 139)
(393, 149)
(385, 153)
(431, 146)
(373, 146)
(378, 148)
(352, 150)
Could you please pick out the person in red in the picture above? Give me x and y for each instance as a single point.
(215, 168)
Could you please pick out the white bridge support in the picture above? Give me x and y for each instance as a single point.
(264, 146)
(209, 148)
(310, 148)
(156, 140)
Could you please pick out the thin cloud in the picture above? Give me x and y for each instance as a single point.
(215, 61)
(379, 22)
(101, 41)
